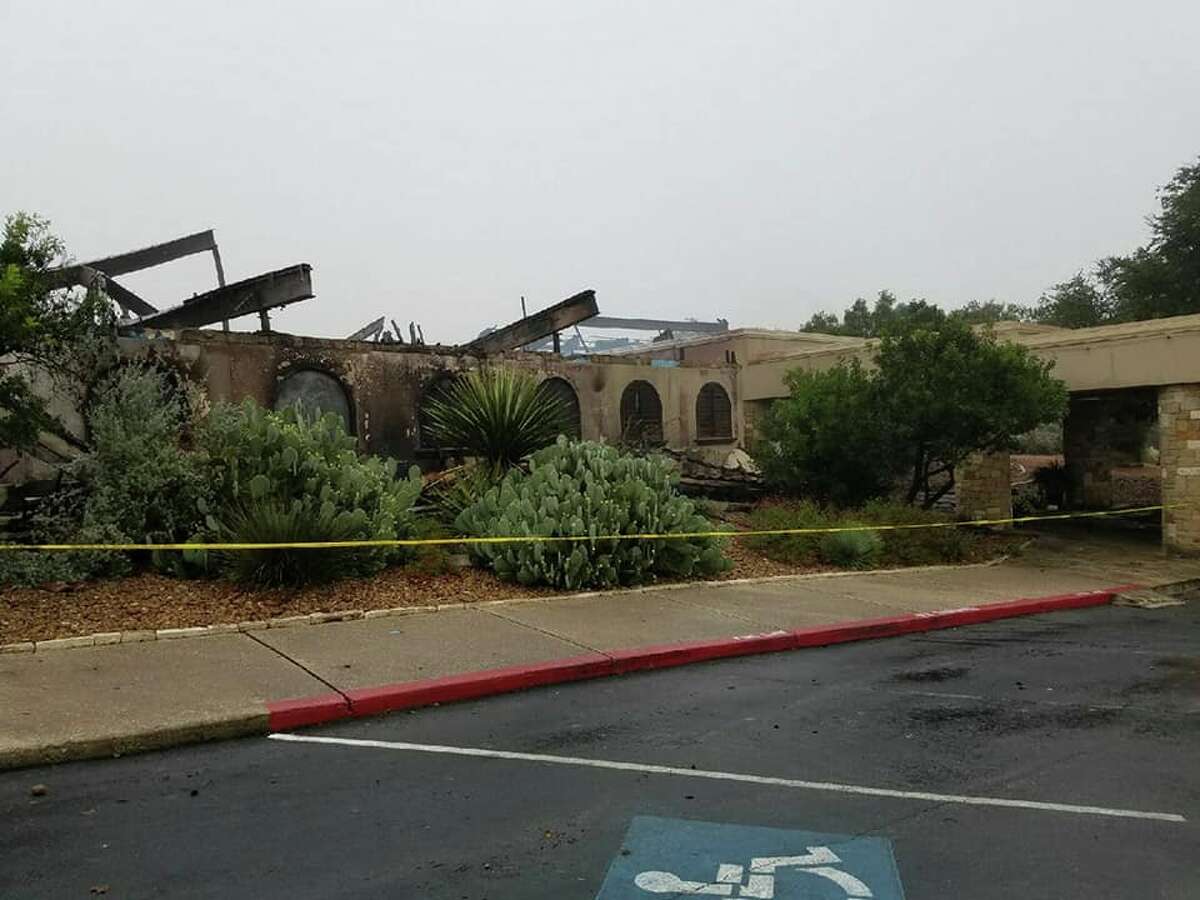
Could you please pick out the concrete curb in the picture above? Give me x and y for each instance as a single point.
(287, 714)
(299, 712)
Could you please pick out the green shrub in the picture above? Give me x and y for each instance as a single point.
(29, 568)
(296, 469)
(826, 440)
(133, 484)
(138, 483)
(919, 546)
(270, 521)
(588, 489)
(460, 487)
(797, 549)
(895, 547)
(851, 549)
(497, 415)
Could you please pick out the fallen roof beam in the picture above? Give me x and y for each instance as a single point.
(656, 324)
(89, 277)
(148, 257)
(524, 331)
(127, 299)
(257, 294)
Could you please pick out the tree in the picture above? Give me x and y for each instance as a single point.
(863, 320)
(940, 391)
(39, 326)
(1162, 278)
(988, 312)
(951, 391)
(828, 439)
(1074, 303)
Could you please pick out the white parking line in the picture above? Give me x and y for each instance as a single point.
(732, 776)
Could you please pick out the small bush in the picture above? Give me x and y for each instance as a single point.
(919, 546)
(589, 490)
(29, 568)
(893, 547)
(851, 549)
(269, 521)
(139, 484)
(133, 484)
(797, 549)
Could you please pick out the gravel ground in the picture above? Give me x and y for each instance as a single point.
(148, 601)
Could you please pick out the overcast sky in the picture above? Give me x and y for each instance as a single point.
(752, 160)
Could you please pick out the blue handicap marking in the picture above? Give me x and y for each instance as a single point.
(666, 858)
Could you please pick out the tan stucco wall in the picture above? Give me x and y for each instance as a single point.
(1138, 354)
(386, 382)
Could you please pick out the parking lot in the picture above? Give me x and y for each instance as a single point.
(1052, 756)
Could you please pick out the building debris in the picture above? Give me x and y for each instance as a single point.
(540, 325)
(370, 331)
(252, 295)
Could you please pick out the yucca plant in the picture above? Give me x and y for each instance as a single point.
(498, 415)
(851, 549)
(267, 521)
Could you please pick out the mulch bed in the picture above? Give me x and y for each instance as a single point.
(151, 601)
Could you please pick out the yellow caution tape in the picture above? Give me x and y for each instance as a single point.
(576, 538)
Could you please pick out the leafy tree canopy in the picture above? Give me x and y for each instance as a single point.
(39, 326)
(1162, 278)
(940, 391)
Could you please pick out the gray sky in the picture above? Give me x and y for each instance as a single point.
(754, 160)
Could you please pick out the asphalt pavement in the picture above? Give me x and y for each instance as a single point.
(1044, 757)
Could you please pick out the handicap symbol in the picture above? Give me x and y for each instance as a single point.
(759, 882)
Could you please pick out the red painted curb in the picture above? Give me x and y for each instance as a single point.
(406, 695)
(287, 714)
(283, 715)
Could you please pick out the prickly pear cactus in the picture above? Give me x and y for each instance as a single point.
(590, 491)
(263, 456)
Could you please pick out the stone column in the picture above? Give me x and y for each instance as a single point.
(1179, 448)
(983, 487)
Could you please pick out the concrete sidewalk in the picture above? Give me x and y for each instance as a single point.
(106, 700)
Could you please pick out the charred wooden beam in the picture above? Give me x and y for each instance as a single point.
(127, 299)
(252, 295)
(90, 277)
(657, 325)
(148, 257)
(539, 325)
(368, 331)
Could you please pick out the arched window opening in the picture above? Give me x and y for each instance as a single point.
(641, 414)
(561, 389)
(316, 392)
(714, 413)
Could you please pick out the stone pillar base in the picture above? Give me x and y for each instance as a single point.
(984, 487)
(1179, 454)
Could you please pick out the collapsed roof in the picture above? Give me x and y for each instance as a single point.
(258, 294)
